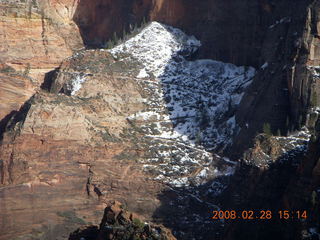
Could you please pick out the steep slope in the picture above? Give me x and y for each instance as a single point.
(35, 36)
(115, 123)
(236, 28)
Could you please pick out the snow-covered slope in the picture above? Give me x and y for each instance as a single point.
(190, 105)
(156, 46)
(200, 95)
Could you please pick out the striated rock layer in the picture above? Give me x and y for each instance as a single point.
(122, 124)
(14, 91)
(36, 36)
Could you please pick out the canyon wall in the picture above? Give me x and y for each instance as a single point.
(245, 21)
(284, 92)
(63, 157)
(36, 36)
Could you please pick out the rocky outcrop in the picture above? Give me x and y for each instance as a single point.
(95, 135)
(283, 48)
(273, 177)
(70, 148)
(118, 223)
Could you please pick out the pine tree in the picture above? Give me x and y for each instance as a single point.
(124, 34)
(314, 198)
(135, 28)
(115, 38)
(267, 129)
(27, 70)
(144, 21)
(300, 122)
(110, 44)
(287, 126)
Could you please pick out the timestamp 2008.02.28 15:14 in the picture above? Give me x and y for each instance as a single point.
(259, 215)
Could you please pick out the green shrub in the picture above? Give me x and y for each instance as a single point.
(137, 223)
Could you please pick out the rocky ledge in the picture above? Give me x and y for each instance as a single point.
(119, 224)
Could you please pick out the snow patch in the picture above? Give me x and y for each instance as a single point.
(76, 83)
(282, 20)
(143, 74)
(156, 45)
(265, 65)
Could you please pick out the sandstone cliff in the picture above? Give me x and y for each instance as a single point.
(37, 35)
(143, 123)
(109, 129)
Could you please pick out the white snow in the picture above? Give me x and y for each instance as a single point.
(315, 71)
(195, 89)
(265, 65)
(282, 20)
(143, 74)
(76, 83)
(156, 45)
(191, 103)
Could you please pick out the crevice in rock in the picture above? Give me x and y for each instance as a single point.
(1, 171)
(88, 185)
(43, 33)
(48, 79)
(10, 167)
(4, 122)
(16, 121)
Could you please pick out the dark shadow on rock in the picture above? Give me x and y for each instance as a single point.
(48, 79)
(199, 95)
(188, 210)
(15, 119)
(87, 233)
(119, 224)
(101, 20)
(4, 122)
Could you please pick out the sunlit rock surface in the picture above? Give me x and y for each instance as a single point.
(128, 124)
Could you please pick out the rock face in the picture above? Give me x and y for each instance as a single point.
(277, 174)
(14, 91)
(96, 136)
(79, 149)
(37, 35)
(284, 92)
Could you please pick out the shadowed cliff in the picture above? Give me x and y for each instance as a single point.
(231, 31)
